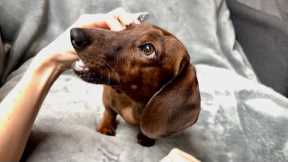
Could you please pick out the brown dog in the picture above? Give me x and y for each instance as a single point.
(148, 78)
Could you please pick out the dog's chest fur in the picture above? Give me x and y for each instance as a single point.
(118, 101)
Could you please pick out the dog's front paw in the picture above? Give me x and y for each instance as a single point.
(107, 130)
(144, 140)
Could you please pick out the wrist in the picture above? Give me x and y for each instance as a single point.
(43, 71)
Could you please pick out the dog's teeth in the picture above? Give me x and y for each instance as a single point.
(79, 65)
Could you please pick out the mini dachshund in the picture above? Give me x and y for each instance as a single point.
(147, 76)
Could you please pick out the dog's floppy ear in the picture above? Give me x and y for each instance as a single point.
(175, 106)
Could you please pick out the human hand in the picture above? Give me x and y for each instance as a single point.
(61, 53)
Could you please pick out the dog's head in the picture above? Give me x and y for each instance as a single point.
(147, 63)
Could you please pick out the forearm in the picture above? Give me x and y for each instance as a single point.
(19, 108)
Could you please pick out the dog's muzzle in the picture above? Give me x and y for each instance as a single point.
(79, 39)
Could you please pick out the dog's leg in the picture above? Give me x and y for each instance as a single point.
(108, 123)
(144, 140)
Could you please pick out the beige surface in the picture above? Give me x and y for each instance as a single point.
(177, 155)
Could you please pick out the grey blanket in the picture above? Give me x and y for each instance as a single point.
(241, 120)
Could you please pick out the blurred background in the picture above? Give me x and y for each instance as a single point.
(278, 8)
(262, 30)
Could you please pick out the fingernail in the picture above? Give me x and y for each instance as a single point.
(136, 22)
(141, 16)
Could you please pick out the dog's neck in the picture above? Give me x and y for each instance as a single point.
(141, 93)
(136, 93)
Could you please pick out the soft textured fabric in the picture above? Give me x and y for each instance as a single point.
(264, 39)
(276, 8)
(1, 54)
(241, 120)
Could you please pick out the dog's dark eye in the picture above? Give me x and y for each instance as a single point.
(148, 49)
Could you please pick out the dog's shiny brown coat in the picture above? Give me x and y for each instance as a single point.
(160, 94)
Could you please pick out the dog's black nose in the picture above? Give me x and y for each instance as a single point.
(79, 39)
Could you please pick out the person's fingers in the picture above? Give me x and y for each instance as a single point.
(115, 20)
(92, 21)
(96, 24)
(70, 56)
(65, 59)
(122, 16)
(127, 19)
(104, 21)
(114, 24)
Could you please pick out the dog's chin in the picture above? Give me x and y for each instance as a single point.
(89, 75)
